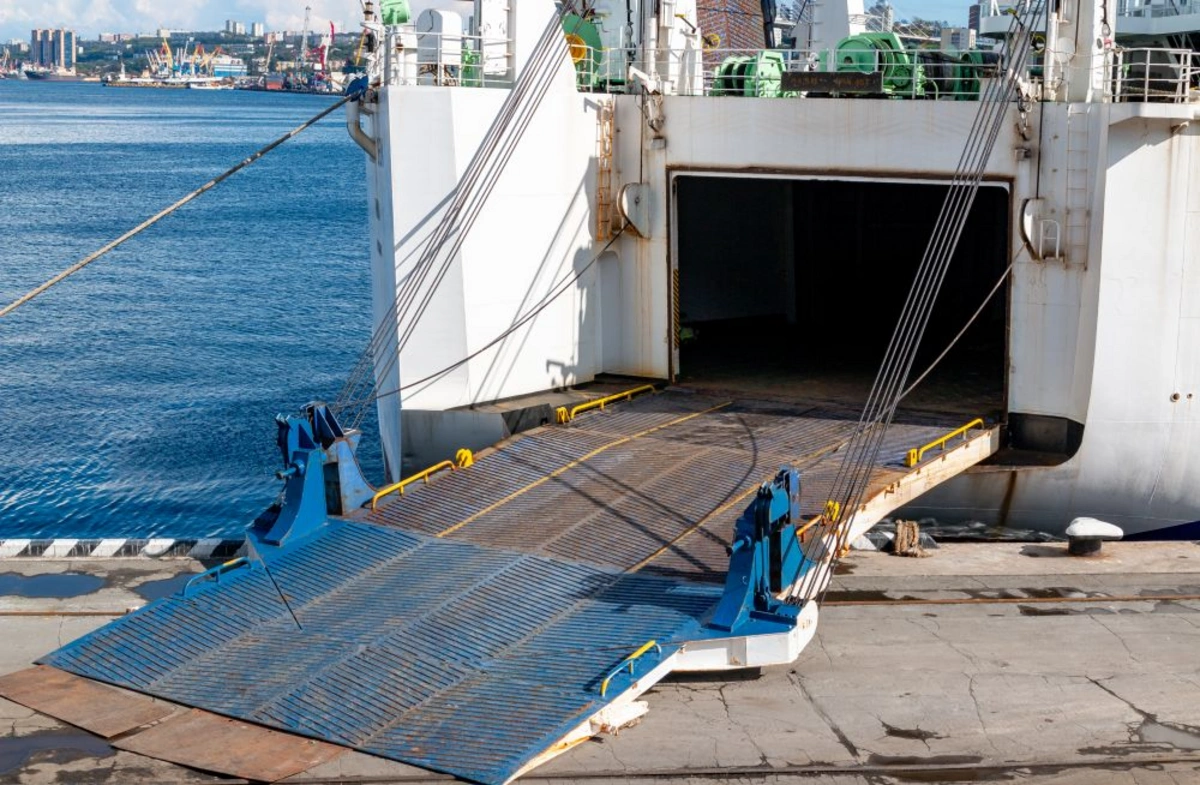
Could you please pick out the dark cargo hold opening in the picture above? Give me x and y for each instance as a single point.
(791, 289)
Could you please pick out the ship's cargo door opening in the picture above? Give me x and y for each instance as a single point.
(792, 288)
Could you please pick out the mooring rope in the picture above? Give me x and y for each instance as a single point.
(144, 225)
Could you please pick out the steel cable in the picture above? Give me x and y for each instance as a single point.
(470, 195)
(958, 336)
(555, 292)
(144, 225)
(364, 375)
(879, 416)
(854, 475)
(850, 483)
(492, 176)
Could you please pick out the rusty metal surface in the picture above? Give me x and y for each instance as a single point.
(97, 708)
(440, 653)
(205, 741)
(471, 631)
(654, 483)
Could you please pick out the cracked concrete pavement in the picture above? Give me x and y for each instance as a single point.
(980, 664)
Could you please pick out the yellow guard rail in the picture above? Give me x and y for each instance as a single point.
(462, 459)
(628, 661)
(916, 454)
(563, 415)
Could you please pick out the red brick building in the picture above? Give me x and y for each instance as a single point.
(739, 23)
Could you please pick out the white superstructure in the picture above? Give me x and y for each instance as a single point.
(642, 202)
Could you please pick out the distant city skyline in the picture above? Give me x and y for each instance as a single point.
(89, 18)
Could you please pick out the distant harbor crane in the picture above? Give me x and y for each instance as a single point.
(304, 36)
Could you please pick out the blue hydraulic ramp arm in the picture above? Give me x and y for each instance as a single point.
(765, 559)
(320, 473)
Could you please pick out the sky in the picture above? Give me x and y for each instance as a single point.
(89, 18)
(952, 11)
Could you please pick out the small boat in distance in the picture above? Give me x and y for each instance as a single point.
(220, 84)
(167, 82)
(54, 74)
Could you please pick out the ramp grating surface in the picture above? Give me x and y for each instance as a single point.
(653, 484)
(444, 654)
(467, 626)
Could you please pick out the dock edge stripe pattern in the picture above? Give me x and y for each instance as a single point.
(159, 547)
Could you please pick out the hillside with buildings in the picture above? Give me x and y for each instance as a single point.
(240, 49)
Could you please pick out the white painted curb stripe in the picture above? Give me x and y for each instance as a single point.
(157, 546)
(12, 547)
(59, 549)
(25, 548)
(107, 548)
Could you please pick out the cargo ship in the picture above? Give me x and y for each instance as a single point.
(758, 215)
(55, 75)
(753, 242)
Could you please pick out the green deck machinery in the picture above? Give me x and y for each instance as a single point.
(586, 49)
(974, 66)
(756, 76)
(903, 76)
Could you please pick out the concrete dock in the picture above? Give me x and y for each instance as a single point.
(985, 662)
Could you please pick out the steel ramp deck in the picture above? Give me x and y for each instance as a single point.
(446, 655)
(655, 484)
(470, 627)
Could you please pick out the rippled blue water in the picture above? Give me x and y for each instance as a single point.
(138, 396)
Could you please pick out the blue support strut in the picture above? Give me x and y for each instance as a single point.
(764, 560)
(320, 475)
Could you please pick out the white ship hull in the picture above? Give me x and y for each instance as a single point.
(1096, 203)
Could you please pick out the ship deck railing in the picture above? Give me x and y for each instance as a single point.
(461, 60)
(1126, 9)
(1142, 11)
(911, 72)
(447, 59)
(1153, 75)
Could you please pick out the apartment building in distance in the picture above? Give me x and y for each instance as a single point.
(52, 49)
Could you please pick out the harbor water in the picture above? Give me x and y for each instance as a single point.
(139, 395)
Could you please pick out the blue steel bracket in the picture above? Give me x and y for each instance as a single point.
(346, 488)
(764, 560)
(320, 475)
(357, 87)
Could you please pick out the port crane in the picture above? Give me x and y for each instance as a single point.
(205, 59)
(168, 57)
(304, 36)
(161, 60)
